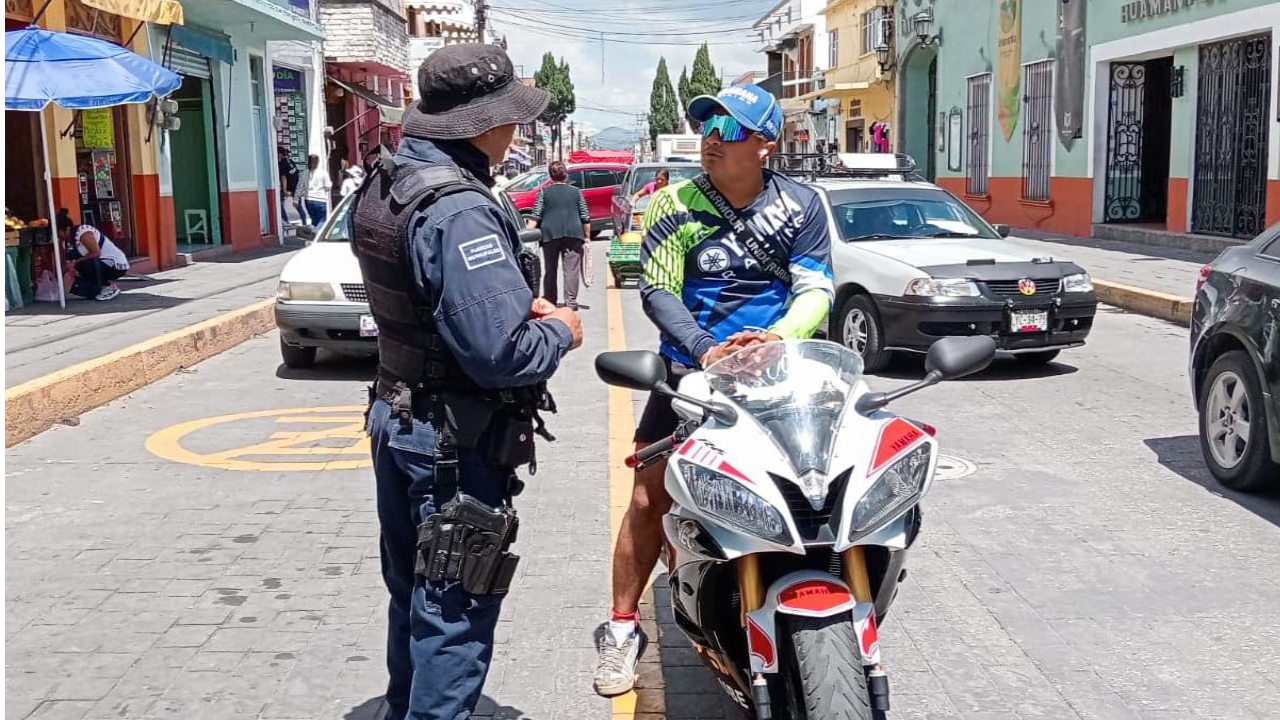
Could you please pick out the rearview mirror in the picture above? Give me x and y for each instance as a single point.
(955, 357)
(530, 235)
(1001, 229)
(633, 369)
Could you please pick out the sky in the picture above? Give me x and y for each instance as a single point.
(636, 34)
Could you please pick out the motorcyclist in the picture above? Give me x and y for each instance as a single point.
(712, 289)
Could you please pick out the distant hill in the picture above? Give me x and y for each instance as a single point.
(614, 138)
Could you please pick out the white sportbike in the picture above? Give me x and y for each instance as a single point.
(795, 497)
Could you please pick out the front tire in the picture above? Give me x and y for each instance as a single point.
(1233, 426)
(823, 677)
(857, 327)
(296, 356)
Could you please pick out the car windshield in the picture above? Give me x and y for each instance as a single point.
(645, 175)
(904, 212)
(797, 391)
(337, 228)
(527, 181)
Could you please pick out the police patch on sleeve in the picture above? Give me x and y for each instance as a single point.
(482, 251)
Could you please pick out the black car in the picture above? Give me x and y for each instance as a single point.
(1235, 363)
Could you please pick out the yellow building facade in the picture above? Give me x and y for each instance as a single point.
(861, 99)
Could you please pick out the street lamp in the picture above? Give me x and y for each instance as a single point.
(883, 57)
(922, 24)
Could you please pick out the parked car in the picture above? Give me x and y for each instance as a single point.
(625, 215)
(1235, 363)
(596, 181)
(913, 264)
(321, 300)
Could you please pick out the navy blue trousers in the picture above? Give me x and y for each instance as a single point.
(440, 638)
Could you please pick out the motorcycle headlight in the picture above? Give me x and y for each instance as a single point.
(1079, 282)
(900, 484)
(948, 287)
(305, 291)
(724, 498)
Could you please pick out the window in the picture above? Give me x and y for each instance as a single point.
(880, 214)
(577, 178)
(833, 48)
(601, 177)
(976, 170)
(1037, 129)
(875, 28)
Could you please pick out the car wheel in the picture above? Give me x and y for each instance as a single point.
(857, 327)
(1043, 357)
(1233, 426)
(296, 356)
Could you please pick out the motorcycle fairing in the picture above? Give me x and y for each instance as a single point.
(808, 593)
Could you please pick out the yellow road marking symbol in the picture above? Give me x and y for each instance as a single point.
(320, 438)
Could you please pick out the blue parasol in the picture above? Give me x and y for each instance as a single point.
(75, 72)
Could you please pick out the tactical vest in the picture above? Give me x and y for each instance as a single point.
(411, 350)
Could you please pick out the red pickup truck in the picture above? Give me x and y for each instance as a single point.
(597, 182)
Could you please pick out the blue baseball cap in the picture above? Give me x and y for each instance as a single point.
(751, 105)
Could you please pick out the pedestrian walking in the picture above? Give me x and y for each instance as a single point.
(464, 351)
(98, 262)
(561, 213)
(319, 190)
(353, 180)
(289, 175)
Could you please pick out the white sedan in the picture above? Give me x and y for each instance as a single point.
(321, 301)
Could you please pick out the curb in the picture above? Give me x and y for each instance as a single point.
(1151, 303)
(34, 406)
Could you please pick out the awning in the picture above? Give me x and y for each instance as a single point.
(391, 115)
(160, 12)
(253, 20)
(834, 90)
(389, 112)
(210, 45)
(519, 155)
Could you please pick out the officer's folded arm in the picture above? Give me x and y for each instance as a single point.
(484, 303)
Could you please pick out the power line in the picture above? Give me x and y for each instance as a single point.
(640, 17)
(627, 33)
(676, 5)
(559, 33)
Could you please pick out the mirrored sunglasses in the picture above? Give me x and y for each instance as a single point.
(730, 129)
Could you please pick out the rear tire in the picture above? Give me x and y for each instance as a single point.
(1037, 358)
(857, 327)
(1231, 398)
(822, 670)
(296, 356)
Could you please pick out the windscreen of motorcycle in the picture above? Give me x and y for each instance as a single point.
(797, 390)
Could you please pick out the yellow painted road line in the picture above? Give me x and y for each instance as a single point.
(622, 427)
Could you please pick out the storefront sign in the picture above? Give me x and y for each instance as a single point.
(302, 7)
(1143, 9)
(287, 80)
(97, 128)
(1068, 81)
(160, 12)
(1010, 58)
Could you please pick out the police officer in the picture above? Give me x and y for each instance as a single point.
(464, 353)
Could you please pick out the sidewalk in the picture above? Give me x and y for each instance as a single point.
(1154, 281)
(43, 338)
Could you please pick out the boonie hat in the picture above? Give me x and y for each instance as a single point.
(467, 90)
(751, 105)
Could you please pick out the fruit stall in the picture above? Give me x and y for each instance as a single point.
(28, 250)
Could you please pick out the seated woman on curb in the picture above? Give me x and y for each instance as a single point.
(98, 262)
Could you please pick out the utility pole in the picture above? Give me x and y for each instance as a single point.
(481, 9)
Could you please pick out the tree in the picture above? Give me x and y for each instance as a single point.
(663, 116)
(554, 78)
(685, 96)
(703, 80)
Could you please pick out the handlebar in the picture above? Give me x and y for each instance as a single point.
(646, 455)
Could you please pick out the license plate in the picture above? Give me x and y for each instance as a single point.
(1026, 321)
(368, 326)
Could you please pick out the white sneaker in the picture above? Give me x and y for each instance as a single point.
(616, 671)
(108, 293)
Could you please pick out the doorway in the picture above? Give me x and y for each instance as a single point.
(1233, 116)
(917, 104)
(260, 146)
(1139, 118)
(196, 210)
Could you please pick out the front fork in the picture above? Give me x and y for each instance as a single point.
(751, 588)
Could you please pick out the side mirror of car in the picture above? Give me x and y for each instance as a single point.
(632, 369)
(955, 357)
(617, 191)
(1001, 229)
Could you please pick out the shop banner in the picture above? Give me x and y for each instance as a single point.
(160, 12)
(97, 129)
(1010, 58)
(1068, 83)
(302, 7)
(287, 80)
